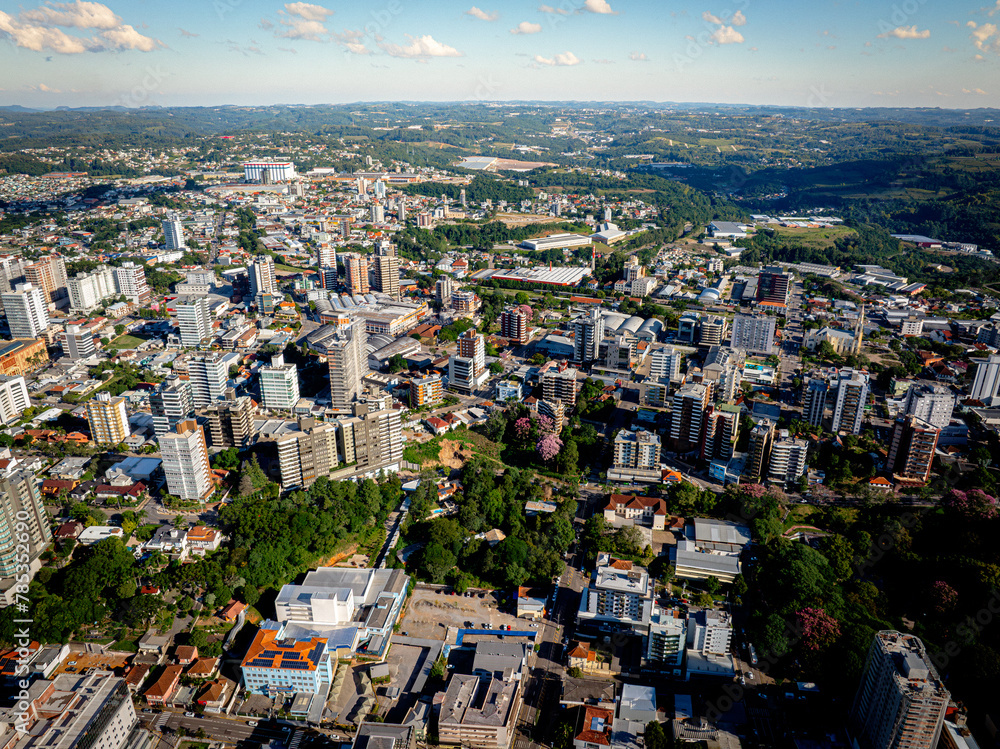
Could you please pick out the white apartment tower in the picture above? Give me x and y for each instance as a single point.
(185, 462)
(27, 312)
(588, 333)
(87, 291)
(130, 280)
(194, 322)
(79, 343)
(347, 359)
(208, 377)
(852, 396)
(173, 233)
(387, 270)
(279, 385)
(931, 403)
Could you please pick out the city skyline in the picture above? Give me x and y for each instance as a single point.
(254, 53)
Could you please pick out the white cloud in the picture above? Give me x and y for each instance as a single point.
(726, 35)
(981, 36)
(47, 90)
(38, 29)
(304, 21)
(906, 32)
(638, 56)
(994, 10)
(526, 27)
(977, 91)
(420, 47)
(562, 59)
(79, 15)
(604, 61)
(308, 11)
(598, 6)
(351, 41)
(188, 34)
(481, 14)
(553, 11)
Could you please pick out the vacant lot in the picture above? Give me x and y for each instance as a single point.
(126, 342)
(430, 613)
(818, 238)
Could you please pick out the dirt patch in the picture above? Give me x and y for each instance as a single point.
(340, 556)
(454, 454)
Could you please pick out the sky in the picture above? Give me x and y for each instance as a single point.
(812, 53)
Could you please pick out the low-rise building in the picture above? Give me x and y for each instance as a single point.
(479, 712)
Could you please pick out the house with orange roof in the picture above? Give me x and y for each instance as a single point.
(203, 668)
(286, 661)
(880, 482)
(595, 728)
(233, 610)
(213, 697)
(161, 690)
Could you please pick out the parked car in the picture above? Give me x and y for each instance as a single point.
(189, 715)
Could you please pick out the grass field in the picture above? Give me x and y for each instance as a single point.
(816, 238)
(125, 342)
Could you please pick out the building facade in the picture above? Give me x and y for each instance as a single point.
(185, 462)
(108, 419)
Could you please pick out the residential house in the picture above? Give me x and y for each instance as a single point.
(161, 690)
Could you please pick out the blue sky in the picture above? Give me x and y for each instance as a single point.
(209, 52)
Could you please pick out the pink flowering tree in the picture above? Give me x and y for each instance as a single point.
(548, 447)
(818, 628)
(943, 597)
(974, 504)
(523, 427)
(545, 423)
(753, 491)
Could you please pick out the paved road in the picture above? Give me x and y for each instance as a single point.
(217, 727)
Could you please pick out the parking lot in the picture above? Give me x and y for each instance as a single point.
(79, 663)
(430, 612)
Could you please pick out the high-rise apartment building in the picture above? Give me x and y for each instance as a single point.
(14, 398)
(465, 300)
(108, 419)
(425, 391)
(852, 397)
(372, 437)
(326, 263)
(378, 213)
(347, 359)
(759, 451)
(194, 322)
(307, 454)
(588, 332)
(620, 593)
(636, 457)
(88, 291)
(814, 400)
(690, 402)
(79, 343)
(387, 270)
(929, 402)
(787, 460)
(130, 280)
(22, 508)
(560, 385)
(171, 403)
(48, 274)
(173, 233)
(27, 311)
(554, 410)
(92, 711)
(279, 385)
(185, 462)
(665, 364)
(209, 376)
(721, 431)
(911, 454)
(712, 331)
(901, 702)
(229, 422)
(262, 278)
(774, 285)
(467, 369)
(754, 333)
(515, 325)
(443, 290)
(356, 273)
